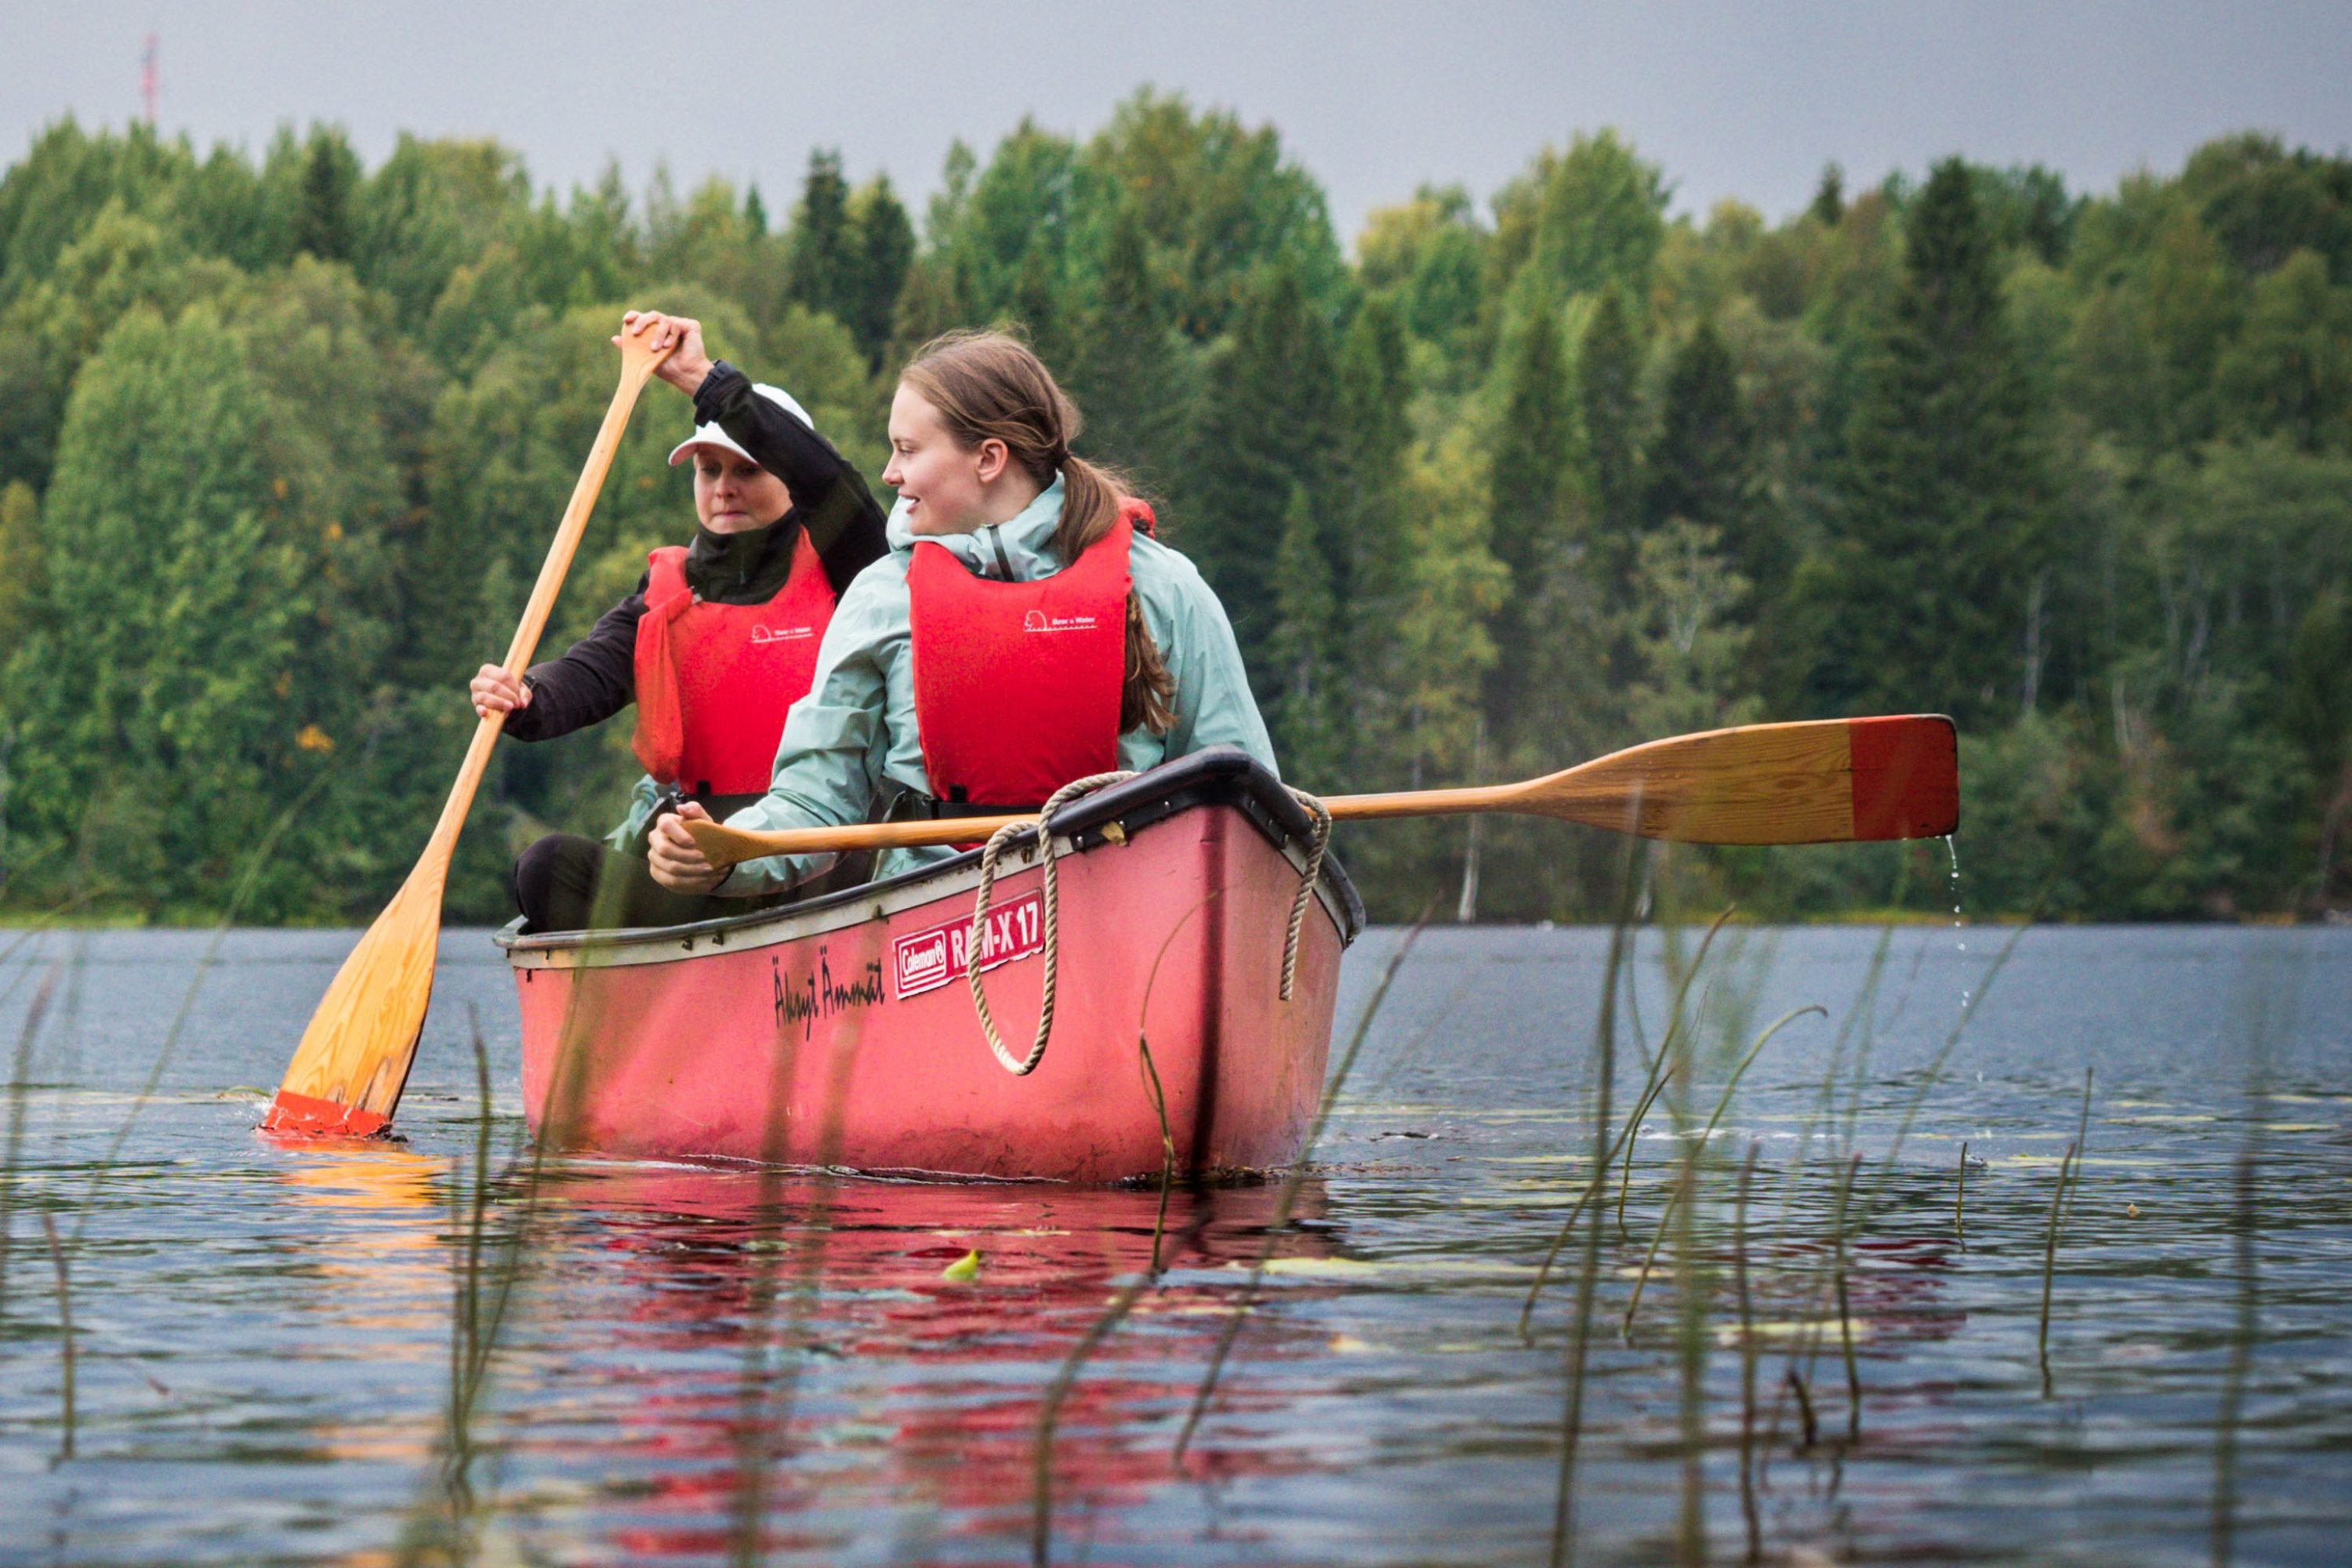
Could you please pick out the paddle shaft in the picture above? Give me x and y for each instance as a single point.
(349, 1069)
(975, 829)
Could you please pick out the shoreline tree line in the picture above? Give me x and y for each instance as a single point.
(1504, 482)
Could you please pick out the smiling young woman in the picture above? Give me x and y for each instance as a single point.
(718, 641)
(1025, 630)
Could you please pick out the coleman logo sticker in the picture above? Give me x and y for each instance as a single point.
(1039, 621)
(927, 959)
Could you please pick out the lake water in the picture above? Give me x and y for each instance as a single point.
(691, 1365)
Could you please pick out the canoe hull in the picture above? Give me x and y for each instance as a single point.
(844, 1034)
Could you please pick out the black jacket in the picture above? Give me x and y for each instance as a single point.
(596, 677)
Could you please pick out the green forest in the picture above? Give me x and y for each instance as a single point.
(1506, 481)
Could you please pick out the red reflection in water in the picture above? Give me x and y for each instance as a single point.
(892, 1385)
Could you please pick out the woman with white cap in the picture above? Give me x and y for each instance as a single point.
(717, 642)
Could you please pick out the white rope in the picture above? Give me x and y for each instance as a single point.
(1316, 843)
(1318, 840)
(1052, 891)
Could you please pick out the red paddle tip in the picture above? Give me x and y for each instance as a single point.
(1906, 776)
(301, 1116)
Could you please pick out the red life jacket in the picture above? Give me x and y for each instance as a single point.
(714, 681)
(1017, 685)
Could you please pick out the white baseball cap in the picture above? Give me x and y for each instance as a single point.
(712, 435)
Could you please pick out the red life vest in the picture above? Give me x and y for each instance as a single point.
(1017, 685)
(714, 681)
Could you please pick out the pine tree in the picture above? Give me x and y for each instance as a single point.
(821, 258)
(1307, 701)
(330, 172)
(1533, 459)
(1373, 546)
(21, 576)
(1702, 466)
(1609, 398)
(884, 250)
(1375, 396)
(1040, 305)
(595, 249)
(1134, 376)
(928, 306)
(1829, 198)
(1534, 446)
(1269, 424)
(945, 212)
(1945, 516)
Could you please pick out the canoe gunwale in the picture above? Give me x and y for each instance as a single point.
(1218, 776)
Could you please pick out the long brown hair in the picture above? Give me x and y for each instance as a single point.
(990, 387)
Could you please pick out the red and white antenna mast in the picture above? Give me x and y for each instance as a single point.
(148, 82)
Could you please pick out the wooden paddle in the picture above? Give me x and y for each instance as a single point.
(354, 1060)
(1828, 781)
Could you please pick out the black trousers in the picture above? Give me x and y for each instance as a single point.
(565, 882)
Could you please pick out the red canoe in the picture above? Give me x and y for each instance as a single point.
(841, 1032)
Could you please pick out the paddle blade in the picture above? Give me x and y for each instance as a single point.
(1827, 782)
(1906, 776)
(346, 1074)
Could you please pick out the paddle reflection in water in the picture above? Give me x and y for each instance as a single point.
(381, 1231)
(371, 1218)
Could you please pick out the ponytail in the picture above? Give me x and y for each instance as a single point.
(1091, 503)
(990, 387)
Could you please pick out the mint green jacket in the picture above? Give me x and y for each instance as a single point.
(857, 726)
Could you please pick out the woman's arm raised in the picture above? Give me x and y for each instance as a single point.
(831, 497)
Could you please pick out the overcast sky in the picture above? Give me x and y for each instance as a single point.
(1374, 98)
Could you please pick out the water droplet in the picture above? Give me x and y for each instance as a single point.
(1952, 849)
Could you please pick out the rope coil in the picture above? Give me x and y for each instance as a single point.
(1318, 841)
(1051, 887)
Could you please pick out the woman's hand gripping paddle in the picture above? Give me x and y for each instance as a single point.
(348, 1072)
(1830, 781)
